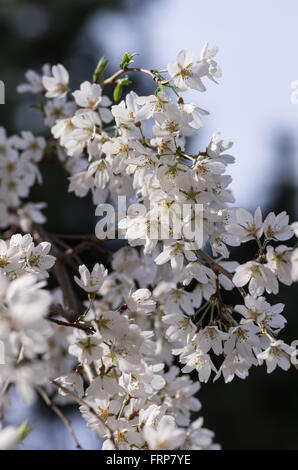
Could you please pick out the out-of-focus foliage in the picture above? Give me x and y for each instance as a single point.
(35, 32)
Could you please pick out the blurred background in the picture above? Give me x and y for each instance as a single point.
(251, 106)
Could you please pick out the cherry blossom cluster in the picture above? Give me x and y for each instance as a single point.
(157, 311)
(19, 158)
(31, 350)
(19, 255)
(137, 392)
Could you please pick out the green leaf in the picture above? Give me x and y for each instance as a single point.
(98, 72)
(126, 60)
(24, 430)
(124, 81)
(35, 108)
(117, 92)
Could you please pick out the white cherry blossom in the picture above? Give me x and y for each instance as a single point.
(91, 282)
(249, 227)
(56, 84)
(276, 227)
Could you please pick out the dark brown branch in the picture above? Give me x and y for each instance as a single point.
(73, 308)
(68, 236)
(85, 245)
(58, 310)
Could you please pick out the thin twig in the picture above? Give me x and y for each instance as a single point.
(59, 413)
(219, 269)
(79, 326)
(219, 299)
(80, 401)
(120, 72)
(73, 308)
(81, 247)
